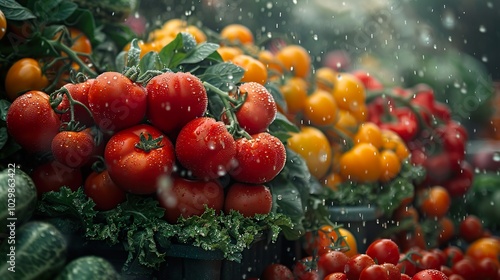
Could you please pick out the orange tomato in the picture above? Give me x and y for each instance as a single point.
(270, 61)
(295, 59)
(320, 108)
(294, 91)
(484, 247)
(3, 24)
(255, 71)
(390, 165)
(349, 92)
(346, 123)
(434, 201)
(369, 132)
(81, 43)
(25, 74)
(312, 144)
(236, 33)
(392, 141)
(446, 230)
(228, 53)
(332, 180)
(323, 239)
(325, 78)
(361, 163)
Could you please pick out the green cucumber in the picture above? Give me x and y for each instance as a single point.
(18, 197)
(37, 250)
(89, 268)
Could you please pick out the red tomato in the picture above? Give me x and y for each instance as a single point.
(53, 175)
(174, 99)
(259, 109)
(103, 191)
(429, 261)
(336, 276)
(487, 268)
(276, 271)
(392, 271)
(73, 148)
(471, 228)
(258, 160)
(356, 264)
(407, 264)
(206, 148)
(466, 268)
(78, 92)
(248, 199)
(453, 254)
(455, 277)
(188, 198)
(332, 261)
(429, 274)
(306, 269)
(32, 123)
(138, 158)
(405, 276)
(384, 251)
(374, 272)
(116, 102)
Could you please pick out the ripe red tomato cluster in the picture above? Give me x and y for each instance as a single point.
(157, 138)
(383, 260)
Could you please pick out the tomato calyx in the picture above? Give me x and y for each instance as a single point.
(231, 104)
(132, 69)
(148, 143)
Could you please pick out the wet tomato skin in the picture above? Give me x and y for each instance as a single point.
(32, 110)
(248, 199)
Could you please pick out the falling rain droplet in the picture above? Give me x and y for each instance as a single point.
(482, 29)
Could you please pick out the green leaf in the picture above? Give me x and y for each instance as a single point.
(4, 108)
(390, 195)
(273, 88)
(133, 54)
(83, 20)
(4, 136)
(52, 11)
(172, 53)
(199, 53)
(150, 61)
(15, 11)
(223, 75)
(281, 127)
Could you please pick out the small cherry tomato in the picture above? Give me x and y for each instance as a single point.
(103, 191)
(248, 199)
(24, 75)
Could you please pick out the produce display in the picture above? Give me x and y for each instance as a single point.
(131, 153)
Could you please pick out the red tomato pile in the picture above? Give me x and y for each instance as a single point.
(153, 138)
(384, 259)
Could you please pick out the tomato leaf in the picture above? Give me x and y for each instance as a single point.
(273, 88)
(15, 11)
(223, 75)
(200, 53)
(281, 127)
(149, 61)
(4, 108)
(172, 53)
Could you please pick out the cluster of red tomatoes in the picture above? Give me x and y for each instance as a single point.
(384, 260)
(116, 136)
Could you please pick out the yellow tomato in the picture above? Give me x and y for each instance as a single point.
(255, 71)
(312, 144)
(322, 241)
(325, 78)
(361, 163)
(392, 141)
(270, 61)
(332, 180)
(294, 92)
(349, 92)
(228, 53)
(295, 59)
(236, 33)
(390, 165)
(369, 132)
(320, 108)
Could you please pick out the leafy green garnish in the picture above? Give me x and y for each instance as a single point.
(139, 226)
(385, 196)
